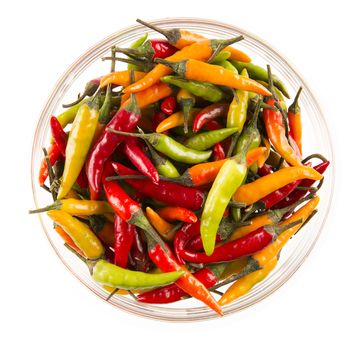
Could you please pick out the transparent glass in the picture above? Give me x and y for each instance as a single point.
(316, 139)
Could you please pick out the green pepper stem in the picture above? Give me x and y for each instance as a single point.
(56, 205)
(112, 293)
(219, 45)
(166, 33)
(127, 177)
(294, 107)
(276, 231)
(270, 82)
(131, 134)
(52, 175)
(133, 53)
(315, 155)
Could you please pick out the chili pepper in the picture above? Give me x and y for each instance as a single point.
(266, 169)
(129, 210)
(54, 155)
(271, 217)
(78, 145)
(170, 147)
(246, 283)
(177, 213)
(229, 178)
(158, 117)
(169, 294)
(90, 88)
(208, 139)
(136, 44)
(181, 38)
(114, 276)
(138, 254)
(259, 73)
(193, 69)
(245, 246)
(209, 113)
(220, 57)
(202, 50)
(164, 259)
(80, 233)
(163, 165)
(68, 116)
(168, 106)
(164, 228)
(218, 152)
(174, 120)
(234, 267)
(237, 113)
(207, 91)
(125, 119)
(166, 192)
(137, 157)
(298, 194)
(58, 134)
(228, 65)
(294, 120)
(104, 229)
(252, 192)
(77, 207)
(277, 134)
(186, 101)
(120, 78)
(67, 239)
(257, 155)
(124, 234)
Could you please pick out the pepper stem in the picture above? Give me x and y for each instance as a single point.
(276, 231)
(112, 293)
(52, 206)
(315, 155)
(271, 86)
(294, 107)
(166, 33)
(89, 263)
(219, 45)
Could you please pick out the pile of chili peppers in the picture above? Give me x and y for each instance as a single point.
(182, 173)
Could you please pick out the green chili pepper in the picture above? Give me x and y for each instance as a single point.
(227, 181)
(137, 43)
(220, 57)
(206, 140)
(170, 147)
(114, 276)
(186, 100)
(259, 73)
(67, 117)
(163, 165)
(208, 91)
(228, 65)
(236, 214)
(237, 113)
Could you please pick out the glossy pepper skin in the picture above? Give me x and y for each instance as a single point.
(209, 276)
(202, 50)
(120, 78)
(166, 192)
(164, 259)
(209, 113)
(207, 91)
(54, 155)
(163, 227)
(177, 214)
(124, 234)
(168, 105)
(294, 121)
(140, 261)
(125, 119)
(79, 232)
(193, 69)
(114, 276)
(78, 145)
(58, 134)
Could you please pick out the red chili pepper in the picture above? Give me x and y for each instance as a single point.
(232, 250)
(218, 152)
(158, 117)
(177, 213)
(266, 169)
(162, 48)
(219, 148)
(166, 192)
(124, 120)
(298, 194)
(140, 260)
(209, 276)
(211, 112)
(59, 135)
(82, 179)
(196, 244)
(54, 155)
(168, 106)
(165, 260)
(124, 234)
(137, 157)
(183, 236)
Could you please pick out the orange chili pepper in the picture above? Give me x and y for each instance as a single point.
(174, 120)
(64, 235)
(193, 69)
(294, 120)
(258, 155)
(164, 228)
(202, 50)
(177, 213)
(121, 78)
(106, 234)
(181, 38)
(253, 191)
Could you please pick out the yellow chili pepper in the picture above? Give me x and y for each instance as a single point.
(237, 113)
(246, 283)
(80, 233)
(252, 192)
(174, 120)
(78, 145)
(78, 207)
(233, 267)
(163, 227)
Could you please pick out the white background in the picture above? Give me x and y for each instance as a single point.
(42, 305)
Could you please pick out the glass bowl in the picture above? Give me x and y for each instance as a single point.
(316, 140)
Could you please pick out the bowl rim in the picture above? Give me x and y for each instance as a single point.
(207, 313)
